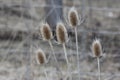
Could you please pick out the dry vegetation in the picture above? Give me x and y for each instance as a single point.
(19, 38)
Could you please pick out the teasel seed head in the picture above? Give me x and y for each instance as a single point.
(61, 33)
(97, 48)
(40, 57)
(46, 32)
(73, 17)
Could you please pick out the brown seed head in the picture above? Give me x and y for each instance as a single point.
(46, 32)
(96, 48)
(73, 17)
(40, 56)
(61, 33)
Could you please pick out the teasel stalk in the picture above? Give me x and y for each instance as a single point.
(97, 52)
(62, 37)
(47, 36)
(41, 59)
(73, 20)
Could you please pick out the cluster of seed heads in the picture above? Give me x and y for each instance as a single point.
(62, 36)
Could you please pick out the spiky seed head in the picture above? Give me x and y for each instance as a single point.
(46, 32)
(96, 48)
(73, 17)
(40, 57)
(61, 33)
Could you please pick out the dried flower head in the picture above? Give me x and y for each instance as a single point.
(73, 17)
(40, 57)
(96, 48)
(46, 32)
(61, 33)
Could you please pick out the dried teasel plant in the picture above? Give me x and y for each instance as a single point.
(46, 32)
(73, 17)
(74, 20)
(62, 37)
(41, 59)
(97, 52)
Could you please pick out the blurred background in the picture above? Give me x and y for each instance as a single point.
(20, 37)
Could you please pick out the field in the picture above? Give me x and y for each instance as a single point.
(20, 37)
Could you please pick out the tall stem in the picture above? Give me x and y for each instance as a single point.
(65, 54)
(99, 73)
(68, 66)
(76, 38)
(46, 76)
(53, 53)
